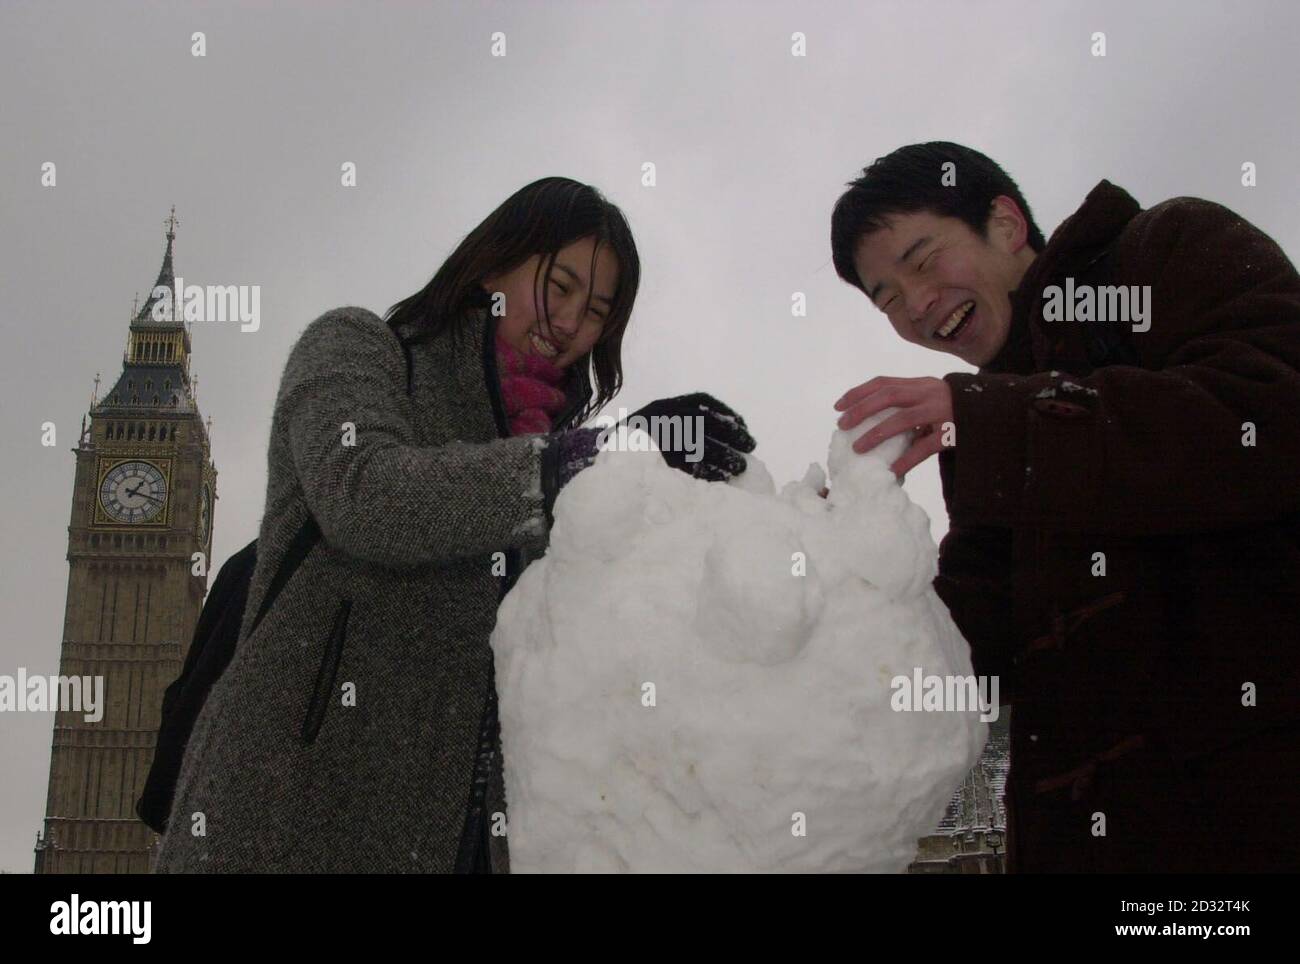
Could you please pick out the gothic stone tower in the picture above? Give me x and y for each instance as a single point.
(142, 504)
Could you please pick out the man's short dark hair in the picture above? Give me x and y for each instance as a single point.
(912, 179)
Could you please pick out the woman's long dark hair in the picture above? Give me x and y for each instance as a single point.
(540, 218)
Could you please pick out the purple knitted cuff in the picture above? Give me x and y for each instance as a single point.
(567, 454)
(578, 449)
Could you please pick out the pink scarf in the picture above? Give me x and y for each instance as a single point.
(528, 389)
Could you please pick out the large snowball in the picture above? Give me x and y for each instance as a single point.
(697, 676)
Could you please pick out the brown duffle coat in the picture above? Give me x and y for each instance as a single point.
(1124, 549)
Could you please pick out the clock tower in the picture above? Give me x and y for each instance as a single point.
(142, 506)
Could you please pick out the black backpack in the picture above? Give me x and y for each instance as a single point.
(211, 650)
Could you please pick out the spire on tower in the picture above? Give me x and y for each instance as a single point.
(166, 275)
(156, 362)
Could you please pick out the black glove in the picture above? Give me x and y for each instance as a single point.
(725, 436)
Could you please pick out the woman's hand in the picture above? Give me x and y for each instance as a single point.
(717, 441)
(717, 447)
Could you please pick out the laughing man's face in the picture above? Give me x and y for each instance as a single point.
(941, 285)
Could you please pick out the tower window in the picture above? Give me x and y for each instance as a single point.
(167, 385)
(174, 400)
(155, 399)
(148, 384)
(130, 383)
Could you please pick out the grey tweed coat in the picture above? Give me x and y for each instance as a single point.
(289, 771)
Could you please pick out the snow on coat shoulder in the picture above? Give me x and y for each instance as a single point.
(698, 677)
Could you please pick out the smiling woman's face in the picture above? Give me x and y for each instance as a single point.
(576, 319)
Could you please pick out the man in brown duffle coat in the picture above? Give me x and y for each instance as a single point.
(1123, 496)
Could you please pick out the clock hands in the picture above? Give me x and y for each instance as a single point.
(143, 495)
(120, 491)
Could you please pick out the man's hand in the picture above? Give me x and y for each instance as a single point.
(925, 406)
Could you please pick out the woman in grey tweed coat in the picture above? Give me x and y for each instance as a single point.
(355, 728)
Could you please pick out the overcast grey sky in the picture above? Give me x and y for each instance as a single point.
(752, 147)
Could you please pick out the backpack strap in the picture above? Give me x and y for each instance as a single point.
(306, 537)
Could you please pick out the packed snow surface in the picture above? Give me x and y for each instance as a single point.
(697, 677)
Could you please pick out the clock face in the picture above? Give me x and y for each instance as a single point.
(205, 514)
(133, 492)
